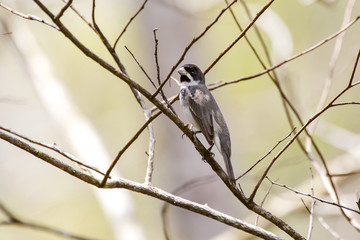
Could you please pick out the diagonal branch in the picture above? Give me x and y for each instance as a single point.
(147, 190)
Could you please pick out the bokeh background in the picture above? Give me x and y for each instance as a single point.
(51, 92)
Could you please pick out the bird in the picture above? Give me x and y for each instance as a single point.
(203, 112)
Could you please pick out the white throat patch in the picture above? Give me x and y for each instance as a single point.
(186, 84)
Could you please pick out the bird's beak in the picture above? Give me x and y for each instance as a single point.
(182, 71)
(185, 75)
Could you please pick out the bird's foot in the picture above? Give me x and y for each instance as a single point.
(209, 149)
(191, 128)
(210, 152)
(196, 141)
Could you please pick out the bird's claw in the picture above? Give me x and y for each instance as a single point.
(209, 150)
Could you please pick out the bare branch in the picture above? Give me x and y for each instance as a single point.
(163, 109)
(345, 103)
(28, 16)
(240, 35)
(289, 59)
(127, 25)
(13, 220)
(105, 41)
(158, 71)
(353, 72)
(257, 34)
(345, 174)
(53, 148)
(145, 189)
(151, 151)
(303, 128)
(312, 196)
(262, 203)
(199, 181)
(141, 67)
(63, 9)
(190, 45)
(136, 135)
(81, 16)
(329, 229)
(311, 217)
(267, 154)
(157, 58)
(332, 64)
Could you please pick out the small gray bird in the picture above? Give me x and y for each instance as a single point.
(204, 114)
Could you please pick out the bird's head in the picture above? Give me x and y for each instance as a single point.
(190, 74)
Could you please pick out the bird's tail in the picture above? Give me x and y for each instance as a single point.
(229, 168)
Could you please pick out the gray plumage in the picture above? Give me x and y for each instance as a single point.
(203, 112)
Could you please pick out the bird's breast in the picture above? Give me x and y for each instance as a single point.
(184, 102)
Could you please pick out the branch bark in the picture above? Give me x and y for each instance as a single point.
(144, 189)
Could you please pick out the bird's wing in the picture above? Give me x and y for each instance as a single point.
(200, 104)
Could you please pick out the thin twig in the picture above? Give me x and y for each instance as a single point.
(329, 79)
(147, 190)
(140, 66)
(63, 9)
(267, 154)
(157, 57)
(260, 38)
(199, 146)
(142, 104)
(13, 220)
(345, 103)
(28, 16)
(53, 148)
(158, 70)
(353, 71)
(127, 25)
(312, 196)
(329, 229)
(311, 217)
(151, 151)
(262, 203)
(289, 59)
(181, 189)
(345, 174)
(240, 35)
(303, 128)
(81, 16)
(130, 142)
(105, 41)
(257, 34)
(287, 105)
(191, 44)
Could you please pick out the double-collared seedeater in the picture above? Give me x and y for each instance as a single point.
(204, 114)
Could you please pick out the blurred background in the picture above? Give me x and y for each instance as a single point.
(51, 92)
